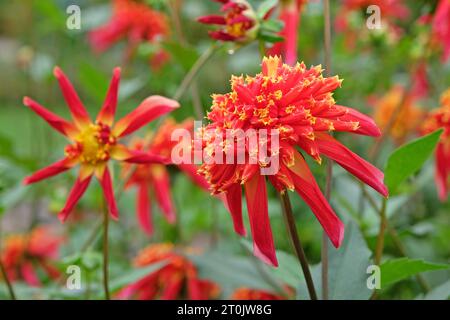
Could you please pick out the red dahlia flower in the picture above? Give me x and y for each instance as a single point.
(93, 144)
(155, 177)
(238, 22)
(253, 294)
(132, 20)
(176, 279)
(298, 103)
(440, 118)
(24, 256)
(290, 14)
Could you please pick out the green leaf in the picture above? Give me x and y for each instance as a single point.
(270, 37)
(272, 25)
(408, 159)
(347, 273)
(134, 275)
(265, 7)
(94, 81)
(395, 270)
(186, 56)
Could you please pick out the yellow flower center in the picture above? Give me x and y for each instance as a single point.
(92, 145)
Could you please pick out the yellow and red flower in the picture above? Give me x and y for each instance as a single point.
(155, 177)
(254, 294)
(176, 279)
(93, 144)
(25, 256)
(440, 118)
(238, 22)
(290, 13)
(133, 20)
(298, 103)
(401, 105)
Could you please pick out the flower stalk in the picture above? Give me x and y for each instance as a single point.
(105, 252)
(295, 240)
(6, 279)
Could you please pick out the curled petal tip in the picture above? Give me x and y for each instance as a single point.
(57, 71)
(26, 101)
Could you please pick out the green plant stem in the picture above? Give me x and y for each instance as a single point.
(329, 176)
(380, 239)
(105, 252)
(295, 240)
(190, 76)
(262, 48)
(6, 279)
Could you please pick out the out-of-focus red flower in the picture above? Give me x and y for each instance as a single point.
(253, 294)
(132, 20)
(298, 103)
(155, 177)
(290, 13)
(176, 279)
(441, 27)
(401, 105)
(440, 118)
(238, 22)
(24, 256)
(420, 83)
(94, 143)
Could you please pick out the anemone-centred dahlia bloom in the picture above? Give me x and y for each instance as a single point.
(290, 13)
(133, 20)
(153, 177)
(407, 117)
(298, 103)
(28, 257)
(440, 118)
(94, 143)
(176, 279)
(238, 22)
(254, 294)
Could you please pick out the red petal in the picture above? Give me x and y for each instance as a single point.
(367, 126)
(77, 109)
(162, 191)
(191, 171)
(58, 123)
(221, 35)
(75, 194)
(307, 188)
(108, 192)
(351, 162)
(144, 209)
(256, 195)
(212, 19)
(172, 287)
(29, 275)
(442, 171)
(122, 153)
(109, 107)
(50, 171)
(233, 202)
(150, 109)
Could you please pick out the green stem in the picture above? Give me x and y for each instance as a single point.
(8, 283)
(105, 252)
(190, 76)
(295, 240)
(380, 239)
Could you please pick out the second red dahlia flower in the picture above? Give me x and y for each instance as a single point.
(297, 103)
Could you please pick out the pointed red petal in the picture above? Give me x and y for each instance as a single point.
(256, 195)
(307, 188)
(366, 127)
(442, 171)
(108, 193)
(212, 19)
(122, 153)
(172, 287)
(144, 209)
(150, 109)
(29, 275)
(50, 171)
(58, 123)
(109, 107)
(351, 162)
(233, 202)
(77, 109)
(161, 184)
(75, 194)
(191, 171)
